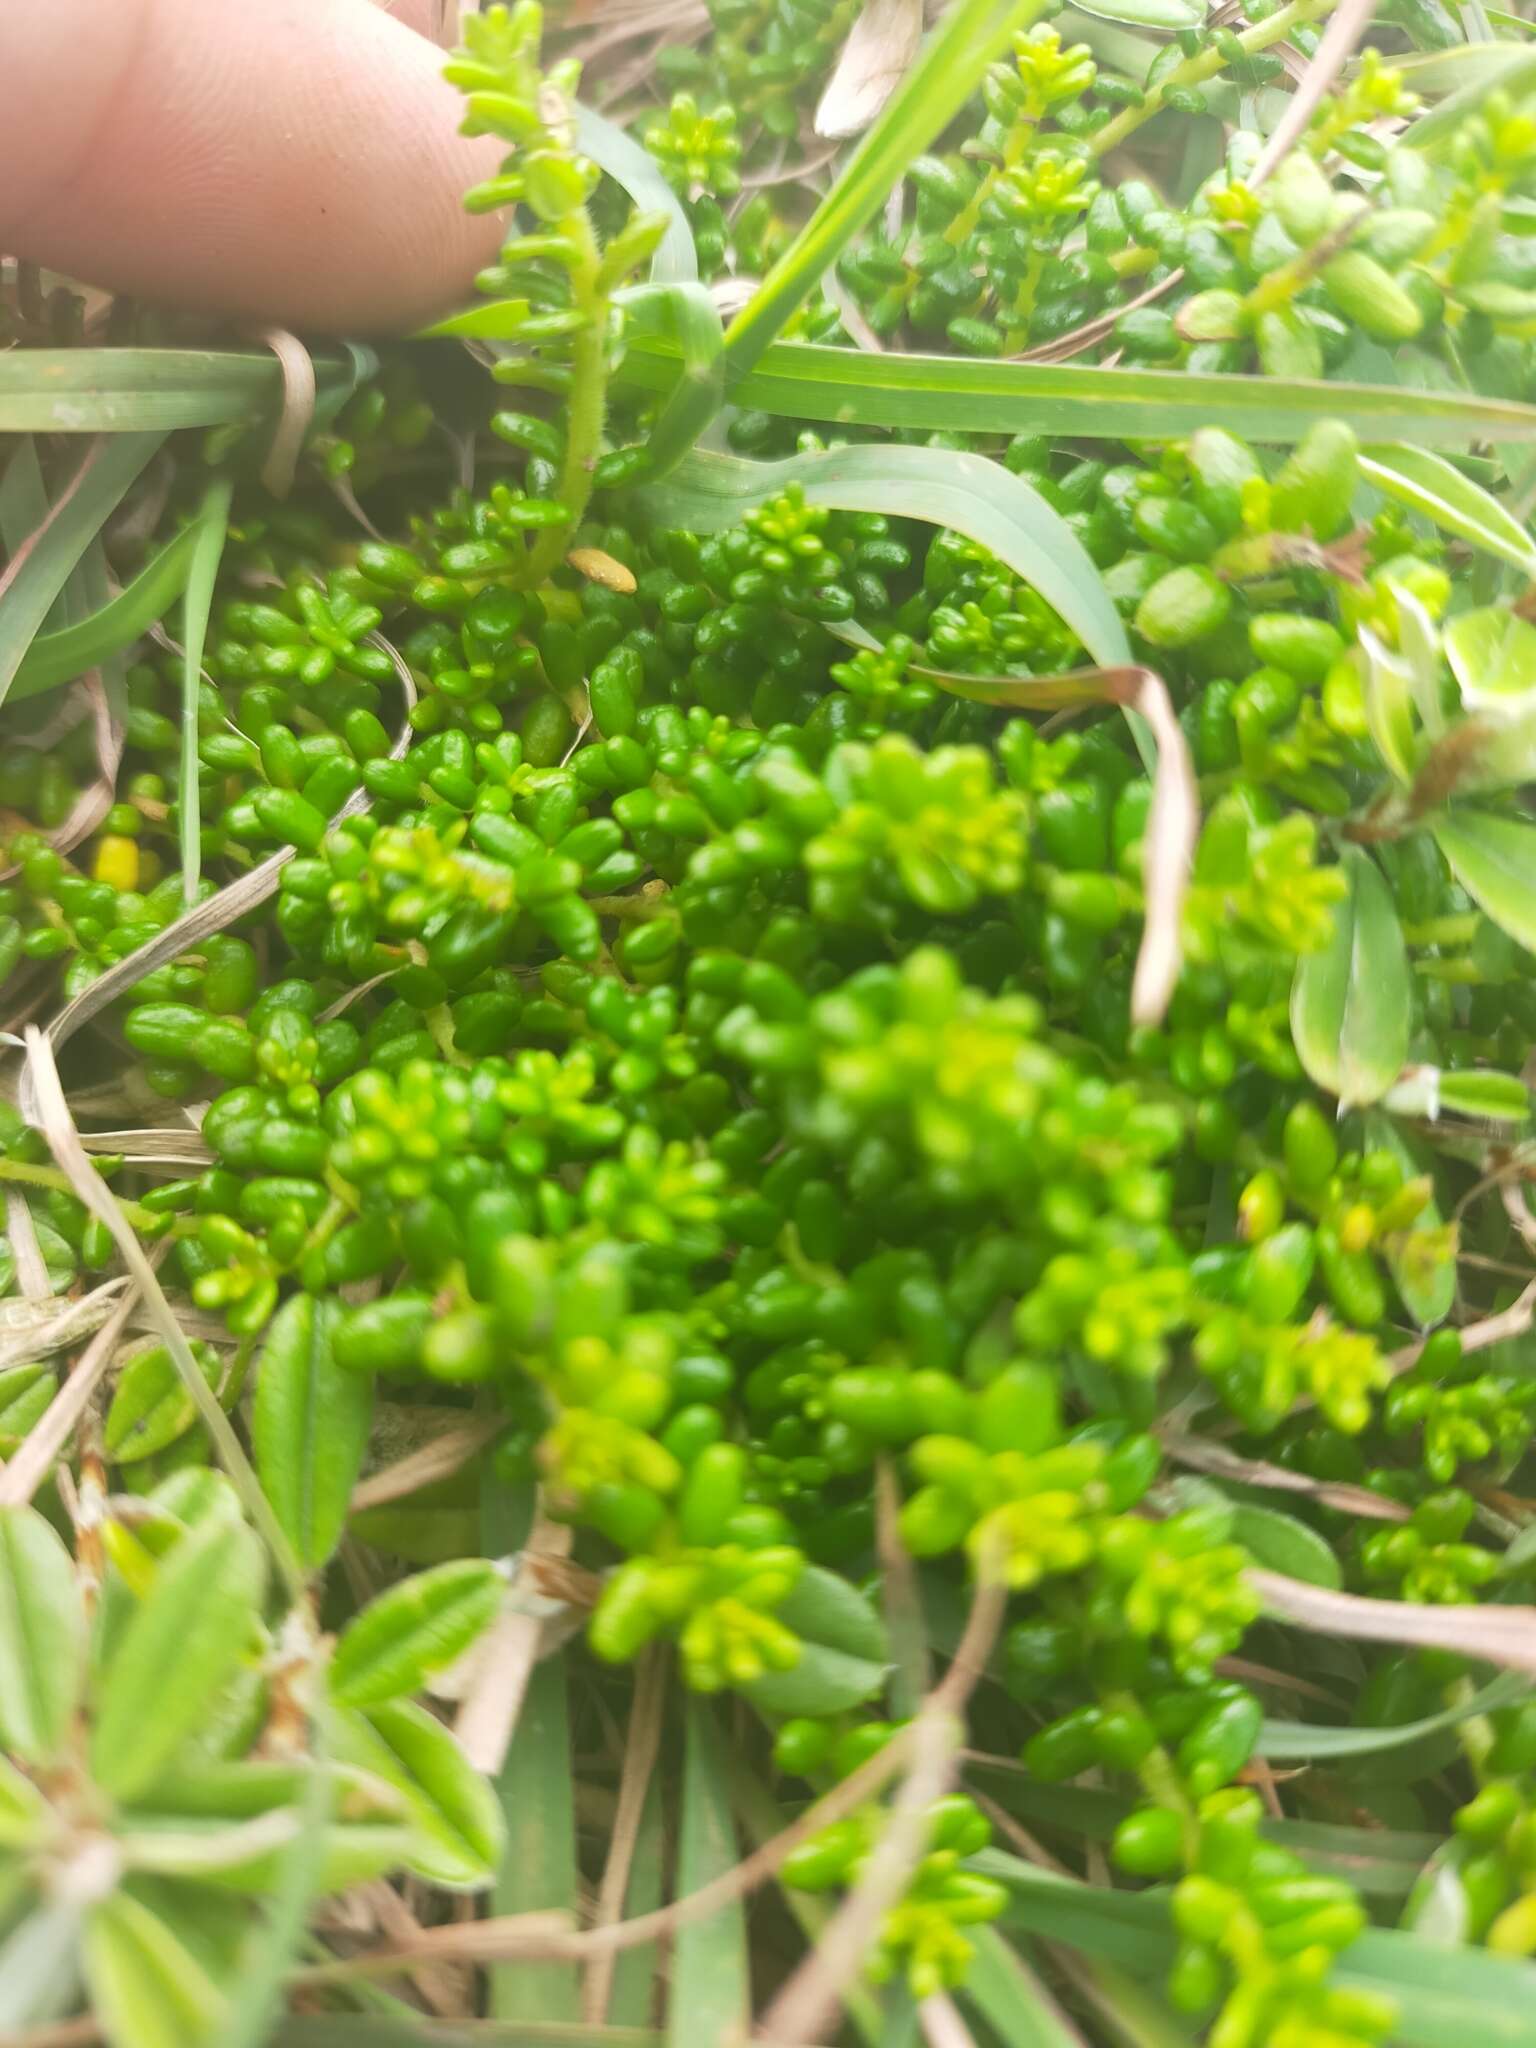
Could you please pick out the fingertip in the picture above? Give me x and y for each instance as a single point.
(273, 160)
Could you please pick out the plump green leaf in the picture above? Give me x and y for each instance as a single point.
(1350, 1002)
(147, 1988)
(309, 1427)
(710, 1996)
(456, 1825)
(1422, 1260)
(42, 1636)
(151, 1407)
(422, 1625)
(1282, 1543)
(1435, 488)
(1494, 859)
(193, 1626)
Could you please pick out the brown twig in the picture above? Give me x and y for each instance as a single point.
(806, 2006)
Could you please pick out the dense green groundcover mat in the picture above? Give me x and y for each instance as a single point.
(765, 1138)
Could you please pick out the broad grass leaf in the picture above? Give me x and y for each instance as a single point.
(943, 486)
(124, 391)
(309, 1427)
(457, 1834)
(42, 1637)
(631, 165)
(1283, 1543)
(844, 1653)
(535, 1793)
(415, 1628)
(1077, 401)
(1350, 1002)
(710, 1997)
(1494, 859)
(147, 1988)
(59, 657)
(32, 583)
(1492, 654)
(176, 1655)
(1436, 489)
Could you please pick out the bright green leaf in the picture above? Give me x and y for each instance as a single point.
(1440, 492)
(1282, 1543)
(1350, 1002)
(147, 1989)
(455, 1822)
(177, 1653)
(309, 1427)
(1494, 859)
(42, 1636)
(415, 1628)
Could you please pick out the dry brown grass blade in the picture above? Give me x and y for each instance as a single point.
(51, 1432)
(297, 415)
(805, 2009)
(641, 1747)
(876, 56)
(1505, 1636)
(1201, 1455)
(231, 903)
(942, 2025)
(549, 1937)
(487, 1718)
(30, 1329)
(1346, 26)
(57, 1126)
(1513, 1321)
(1172, 830)
(439, 1459)
(31, 1268)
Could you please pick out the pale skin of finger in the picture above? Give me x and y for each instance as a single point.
(295, 162)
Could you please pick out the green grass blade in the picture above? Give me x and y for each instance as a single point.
(23, 495)
(207, 552)
(630, 164)
(121, 390)
(59, 657)
(687, 316)
(537, 1795)
(371, 2030)
(35, 579)
(967, 492)
(631, 1998)
(1295, 1741)
(928, 98)
(840, 386)
(709, 2004)
(1004, 1991)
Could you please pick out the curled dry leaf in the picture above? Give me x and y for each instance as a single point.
(880, 48)
(1498, 1635)
(297, 415)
